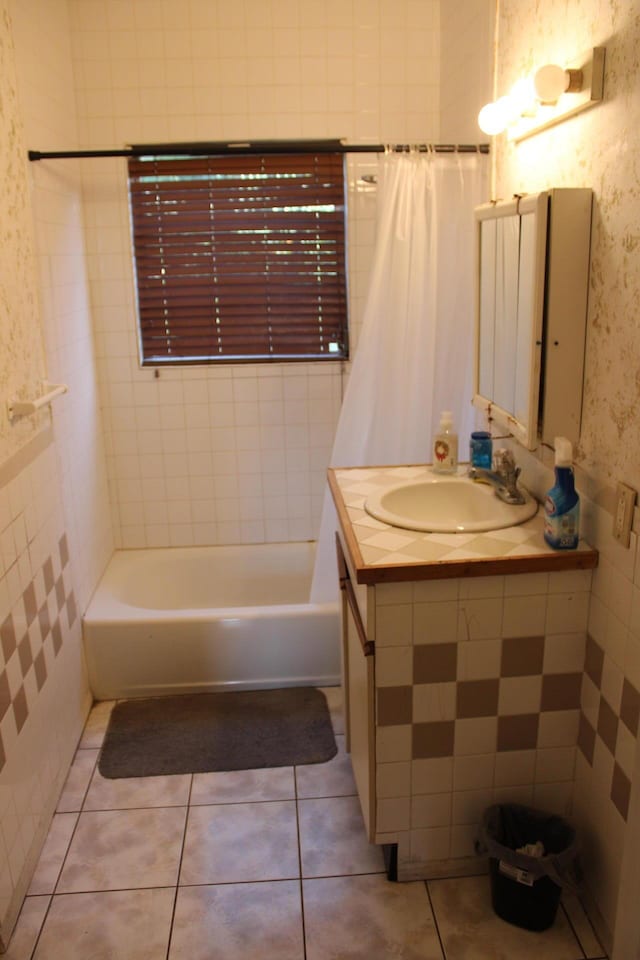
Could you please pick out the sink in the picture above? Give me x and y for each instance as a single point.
(447, 504)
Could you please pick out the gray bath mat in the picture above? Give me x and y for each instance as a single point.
(207, 732)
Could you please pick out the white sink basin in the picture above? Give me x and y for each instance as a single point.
(449, 504)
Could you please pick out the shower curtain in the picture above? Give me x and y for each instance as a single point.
(415, 352)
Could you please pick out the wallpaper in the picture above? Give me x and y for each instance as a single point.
(21, 351)
(600, 149)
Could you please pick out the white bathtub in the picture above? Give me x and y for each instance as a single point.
(192, 619)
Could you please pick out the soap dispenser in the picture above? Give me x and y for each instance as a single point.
(562, 503)
(445, 445)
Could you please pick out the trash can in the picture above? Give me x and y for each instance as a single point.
(532, 857)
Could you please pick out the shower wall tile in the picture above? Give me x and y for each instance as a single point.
(55, 519)
(256, 438)
(43, 694)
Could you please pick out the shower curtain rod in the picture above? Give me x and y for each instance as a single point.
(222, 148)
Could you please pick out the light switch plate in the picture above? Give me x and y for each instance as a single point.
(623, 516)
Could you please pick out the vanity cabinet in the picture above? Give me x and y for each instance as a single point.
(358, 694)
(463, 658)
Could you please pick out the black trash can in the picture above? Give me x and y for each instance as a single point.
(525, 888)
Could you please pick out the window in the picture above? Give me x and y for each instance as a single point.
(239, 257)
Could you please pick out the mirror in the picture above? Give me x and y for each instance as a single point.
(511, 244)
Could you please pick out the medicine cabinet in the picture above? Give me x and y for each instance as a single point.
(531, 308)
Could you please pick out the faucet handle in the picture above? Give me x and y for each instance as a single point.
(504, 461)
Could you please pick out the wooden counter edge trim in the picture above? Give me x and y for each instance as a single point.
(351, 542)
(368, 646)
(482, 567)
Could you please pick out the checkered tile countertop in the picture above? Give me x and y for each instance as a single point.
(384, 553)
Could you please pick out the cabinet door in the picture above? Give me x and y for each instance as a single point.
(359, 686)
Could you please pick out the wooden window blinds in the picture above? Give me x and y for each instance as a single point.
(239, 258)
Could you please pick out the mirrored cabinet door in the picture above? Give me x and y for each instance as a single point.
(532, 279)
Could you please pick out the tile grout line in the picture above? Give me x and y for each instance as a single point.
(64, 859)
(180, 858)
(573, 930)
(304, 929)
(435, 920)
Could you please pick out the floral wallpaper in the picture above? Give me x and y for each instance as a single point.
(599, 148)
(21, 348)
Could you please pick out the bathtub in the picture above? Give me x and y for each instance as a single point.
(194, 619)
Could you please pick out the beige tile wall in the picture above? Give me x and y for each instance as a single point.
(43, 693)
(465, 719)
(237, 453)
(55, 525)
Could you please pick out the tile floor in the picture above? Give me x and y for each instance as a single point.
(250, 865)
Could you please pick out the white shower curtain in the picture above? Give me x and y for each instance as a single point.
(415, 352)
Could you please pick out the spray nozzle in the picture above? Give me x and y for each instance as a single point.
(564, 452)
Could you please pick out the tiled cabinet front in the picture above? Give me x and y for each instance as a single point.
(477, 700)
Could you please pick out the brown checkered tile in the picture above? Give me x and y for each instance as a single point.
(561, 691)
(28, 649)
(477, 698)
(40, 668)
(25, 655)
(5, 694)
(435, 663)
(30, 605)
(60, 594)
(72, 612)
(20, 708)
(593, 661)
(8, 638)
(433, 739)
(64, 551)
(586, 739)
(519, 732)
(522, 656)
(47, 572)
(607, 726)
(56, 633)
(395, 706)
(630, 707)
(43, 618)
(620, 790)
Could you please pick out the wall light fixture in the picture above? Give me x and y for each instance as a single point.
(547, 97)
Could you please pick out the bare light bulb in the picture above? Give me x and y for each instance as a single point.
(523, 96)
(550, 82)
(495, 117)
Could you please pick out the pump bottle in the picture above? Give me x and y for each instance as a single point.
(562, 503)
(445, 445)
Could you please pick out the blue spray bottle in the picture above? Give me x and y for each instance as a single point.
(562, 503)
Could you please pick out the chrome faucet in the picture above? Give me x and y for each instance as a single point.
(503, 477)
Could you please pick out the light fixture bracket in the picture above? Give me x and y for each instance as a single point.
(568, 104)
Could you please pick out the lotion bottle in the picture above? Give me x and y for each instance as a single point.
(562, 503)
(445, 445)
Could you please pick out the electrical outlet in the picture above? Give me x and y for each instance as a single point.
(623, 517)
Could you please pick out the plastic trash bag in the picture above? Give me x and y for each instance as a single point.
(506, 827)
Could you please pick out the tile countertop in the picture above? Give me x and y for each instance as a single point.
(381, 553)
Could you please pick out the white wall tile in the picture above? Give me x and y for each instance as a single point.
(474, 772)
(434, 775)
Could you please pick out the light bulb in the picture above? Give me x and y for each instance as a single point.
(523, 96)
(495, 117)
(550, 82)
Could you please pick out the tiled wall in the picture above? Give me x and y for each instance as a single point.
(43, 692)
(55, 527)
(466, 50)
(597, 150)
(478, 702)
(236, 453)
